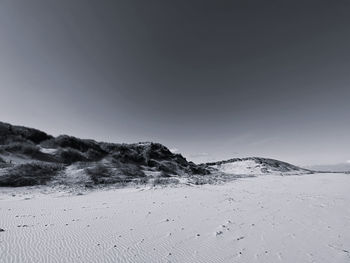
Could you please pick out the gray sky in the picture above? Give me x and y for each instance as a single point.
(213, 79)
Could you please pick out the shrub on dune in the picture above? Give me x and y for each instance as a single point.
(69, 156)
(102, 174)
(29, 174)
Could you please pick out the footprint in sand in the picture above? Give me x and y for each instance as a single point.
(218, 233)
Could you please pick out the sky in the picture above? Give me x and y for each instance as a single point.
(212, 80)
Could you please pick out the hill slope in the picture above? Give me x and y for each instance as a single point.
(30, 157)
(256, 166)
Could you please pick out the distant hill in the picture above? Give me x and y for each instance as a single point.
(257, 166)
(340, 167)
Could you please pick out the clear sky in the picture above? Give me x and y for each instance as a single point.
(213, 79)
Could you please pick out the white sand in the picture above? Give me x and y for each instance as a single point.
(240, 167)
(263, 219)
(252, 167)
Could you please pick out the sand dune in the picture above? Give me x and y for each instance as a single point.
(261, 219)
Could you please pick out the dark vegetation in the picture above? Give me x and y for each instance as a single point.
(102, 174)
(29, 174)
(32, 157)
(10, 133)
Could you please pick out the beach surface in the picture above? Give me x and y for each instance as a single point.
(268, 218)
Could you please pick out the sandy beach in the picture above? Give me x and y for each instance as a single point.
(261, 219)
